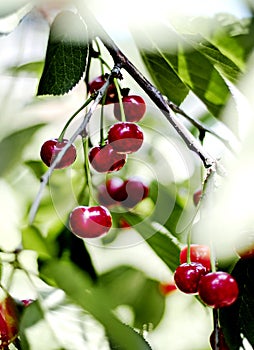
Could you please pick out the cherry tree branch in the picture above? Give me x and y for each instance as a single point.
(81, 130)
(119, 58)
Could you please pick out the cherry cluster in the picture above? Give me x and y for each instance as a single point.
(123, 138)
(216, 289)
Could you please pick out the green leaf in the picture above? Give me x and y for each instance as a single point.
(167, 209)
(159, 239)
(66, 55)
(33, 68)
(74, 247)
(78, 286)
(163, 75)
(33, 240)
(193, 69)
(195, 59)
(12, 146)
(232, 36)
(128, 286)
(37, 167)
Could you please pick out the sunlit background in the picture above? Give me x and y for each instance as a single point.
(231, 209)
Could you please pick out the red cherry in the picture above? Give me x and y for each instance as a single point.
(222, 345)
(125, 137)
(187, 277)
(198, 253)
(197, 196)
(8, 321)
(134, 108)
(133, 191)
(167, 288)
(50, 150)
(90, 222)
(218, 289)
(105, 159)
(115, 188)
(104, 198)
(97, 83)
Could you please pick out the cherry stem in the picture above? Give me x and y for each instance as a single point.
(61, 136)
(81, 130)
(189, 248)
(119, 95)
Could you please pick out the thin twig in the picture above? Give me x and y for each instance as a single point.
(81, 130)
(201, 127)
(119, 58)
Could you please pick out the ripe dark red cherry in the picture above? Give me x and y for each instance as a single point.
(187, 277)
(134, 108)
(105, 159)
(90, 222)
(198, 253)
(222, 345)
(8, 321)
(125, 137)
(97, 83)
(50, 150)
(218, 289)
(197, 196)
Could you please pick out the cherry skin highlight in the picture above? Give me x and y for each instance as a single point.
(134, 108)
(125, 137)
(187, 277)
(105, 159)
(90, 222)
(198, 253)
(218, 289)
(50, 150)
